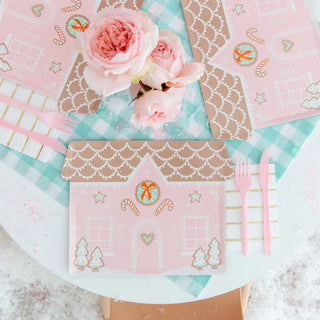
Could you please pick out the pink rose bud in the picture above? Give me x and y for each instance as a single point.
(169, 64)
(155, 108)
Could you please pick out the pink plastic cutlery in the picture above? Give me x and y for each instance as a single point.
(54, 119)
(42, 138)
(243, 180)
(264, 183)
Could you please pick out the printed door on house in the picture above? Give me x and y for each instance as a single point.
(147, 251)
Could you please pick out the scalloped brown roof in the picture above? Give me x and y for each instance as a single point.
(114, 161)
(222, 92)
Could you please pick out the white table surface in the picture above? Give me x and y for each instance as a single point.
(40, 226)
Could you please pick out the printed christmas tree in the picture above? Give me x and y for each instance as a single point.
(214, 254)
(199, 260)
(96, 261)
(314, 88)
(313, 103)
(81, 254)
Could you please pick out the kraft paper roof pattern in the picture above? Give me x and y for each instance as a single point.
(76, 96)
(222, 92)
(132, 4)
(114, 161)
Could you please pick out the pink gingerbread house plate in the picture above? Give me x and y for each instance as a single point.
(147, 207)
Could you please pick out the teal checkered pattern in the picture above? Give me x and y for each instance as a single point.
(113, 122)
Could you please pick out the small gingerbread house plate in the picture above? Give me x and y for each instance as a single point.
(147, 207)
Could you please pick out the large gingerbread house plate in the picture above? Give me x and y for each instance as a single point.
(147, 207)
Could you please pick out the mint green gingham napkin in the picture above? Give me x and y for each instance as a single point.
(112, 123)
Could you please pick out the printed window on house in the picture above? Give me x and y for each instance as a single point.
(292, 91)
(195, 231)
(266, 7)
(99, 233)
(24, 55)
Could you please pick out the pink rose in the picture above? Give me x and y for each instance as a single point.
(155, 108)
(169, 64)
(117, 46)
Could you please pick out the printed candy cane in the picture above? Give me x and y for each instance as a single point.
(250, 35)
(260, 73)
(62, 38)
(73, 8)
(130, 204)
(164, 203)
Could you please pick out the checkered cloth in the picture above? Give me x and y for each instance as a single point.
(112, 122)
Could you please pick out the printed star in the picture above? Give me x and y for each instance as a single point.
(260, 98)
(56, 67)
(238, 9)
(195, 196)
(99, 197)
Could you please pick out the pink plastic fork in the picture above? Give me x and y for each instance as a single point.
(54, 119)
(243, 180)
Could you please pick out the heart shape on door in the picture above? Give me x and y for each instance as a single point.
(36, 9)
(147, 238)
(287, 45)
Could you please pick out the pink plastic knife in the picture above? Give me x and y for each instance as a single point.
(264, 183)
(42, 138)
